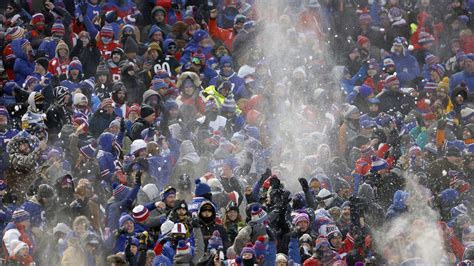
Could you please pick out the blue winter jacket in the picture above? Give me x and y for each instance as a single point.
(398, 206)
(22, 67)
(461, 76)
(105, 156)
(407, 68)
(116, 208)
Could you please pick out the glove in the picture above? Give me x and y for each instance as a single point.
(195, 222)
(83, 7)
(270, 233)
(151, 132)
(138, 178)
(120, 231)
(304, 184)
(122, 125)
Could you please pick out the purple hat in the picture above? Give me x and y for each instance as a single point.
(365, 90)
(125, 217)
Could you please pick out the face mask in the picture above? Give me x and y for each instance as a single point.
(106, 40)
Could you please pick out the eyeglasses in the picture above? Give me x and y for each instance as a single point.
(172, 47)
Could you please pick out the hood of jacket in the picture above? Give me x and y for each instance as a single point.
(18, 50)
(106, 141)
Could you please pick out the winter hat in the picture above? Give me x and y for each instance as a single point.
(17, 245)
(388, 62)
(326, 196)
(321, 241)
(53, 153)
(88, 83)
(124, 218)
(361, 40)
(260, 246)
(300, 217)
(351, 109)
(395, 14)
(62, 228)
(119, 191)
(453, 151)
(20, 215)
(4, 112)
(466, 114)
(168, 191)
(89, 151)
(16, 32)
(137, 145)
(80, 99)
(201, 188)
(258, 214)
(229, 105)
(134, 108)
(443, 86)
(134, 242)
(3, 185)
(332, 231)
(211, 106)
(179, 228)
(425, 38)
(166, 227)
(239, 19)
(391, 80)
(102, 69)
(431, 59)
(215, 242)
(58, 27)
(378, 164)
(140, 213)
(42, 61)
(183, 248)
(146, 110)
(439, 69)
(280, 257)
(154, 46)
(249, 248)
(157, 84)
(75, 64)
(81, 120)
(61, 45)
(200, 35)
(365, 19)
(305, 238)
(460, 56)
(107, 31)
(365, 90)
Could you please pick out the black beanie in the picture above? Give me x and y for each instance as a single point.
(146, 110)
(130, 46)
(43, 61)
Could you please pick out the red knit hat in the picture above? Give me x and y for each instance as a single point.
(134, 108)
(140, 213)
(37, 18)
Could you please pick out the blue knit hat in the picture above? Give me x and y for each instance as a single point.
(200, 35)
(125, 217)
(365, 90)
(135, 242)
(157, 84)
(248, 249)
(75, 64)
(229, 105)
(201, 188)
(167, 192)
(88, 151)
(120, 191)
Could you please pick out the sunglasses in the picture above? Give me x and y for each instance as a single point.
(172, 47)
